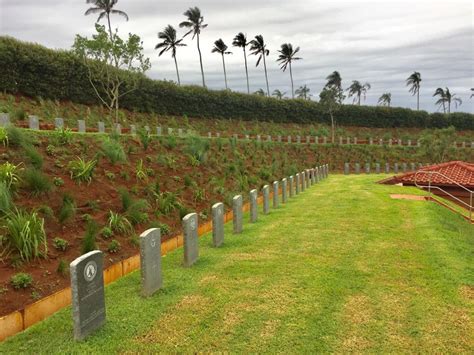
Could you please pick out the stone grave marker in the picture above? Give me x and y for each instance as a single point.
(387, 168)
(395, 168)
(409, 142)
(357, 168)
(118, 128)
(159, 131)
(101, 127)
(291, 185)
(4, 120)
(289, 139)
(340, 140)
(325, 140)
(191, 244)
(58, 123)
(209, 135)
(355, 140)
(81, 126)
(404, 167)
(218, 224)
(377, 168)
(276, 197)
(150, 261)
(298, 183)
(284, 188)
(218, 134)
(303, 181)
(133, 129)
(308, 139)
(147, 129)
(279, 139)
(371, 141)
(180, 132)
(258, 137)
(269, 138)
(170, 131)
(316, 140)
(266, 199)
(253, 206)
(88, 300)
(298, 139)
(346, 168)
(34, 122)
(367, 168)
(237, 214)
(348, 140)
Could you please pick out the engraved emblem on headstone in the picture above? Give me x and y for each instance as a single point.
(90, 270)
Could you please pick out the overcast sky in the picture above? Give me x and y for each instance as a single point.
(381, 42)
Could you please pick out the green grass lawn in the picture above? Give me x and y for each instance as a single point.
(342, 267)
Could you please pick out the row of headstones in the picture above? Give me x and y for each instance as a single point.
(87, 281)
(81, 128)
(396, 168)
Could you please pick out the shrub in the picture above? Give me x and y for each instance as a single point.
(5, 198)
(16, 137)
(57, 181)
(62, 268)
(35, 158)
(63, 136)
(136, 213)
(3, 136)
(119, 223)
(106, 232)
(88, 243)
(113, 247)
(197, 147)
(125, 198)
(37, 182)
(145, 138)
(167, 202)
(25, 232)
(21, 280)
(81, 170)
(9, 174)
(113, 150)
(60, 244)
(140, 171)
(67, 210)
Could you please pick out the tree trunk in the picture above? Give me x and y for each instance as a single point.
(449, 106)
(266, 75)
(292, 86)
(358, 99)
(246, 72)
(177, 71)
(418, 99)
(110, 27)
(200, 61)
(117, 105)
(333, 129)
(225, 74)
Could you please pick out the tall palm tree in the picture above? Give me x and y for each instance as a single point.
(446, 98)
(472, 94)
(240, 40)
(259, 92)
(385, 99)
(221, 48)
(286, 57)
(303, 92)
(105, 8)
(414, 82)
(170, 43)
(334, 80)
(357, 90)
(195, 24)
(258, 47)
(278, 94)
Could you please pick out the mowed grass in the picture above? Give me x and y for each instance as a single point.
(342, 267)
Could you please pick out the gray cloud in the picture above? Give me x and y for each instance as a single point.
(371, 41)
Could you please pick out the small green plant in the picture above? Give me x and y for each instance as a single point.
(3, 136)
(169, 142)
(37, 182)
(57, 181)
(140, 171)
(21, 280)
(136, 213)
(106, 232)
(9, 174)
(114, 246)
(113, 150)
(5, 198)
(166, 202)
(86, 217)
(81, 170)
(134, 240)
(46, 211)
(145, 138)
(197, 148)
(50, 150)
(16, 137)
(89, 241)
(119, 223)
(110, 175)
(67, 210)
(199, 195)
(62, 268)
(63, 136)
(60, 244)
(125, 198)
(35, 158)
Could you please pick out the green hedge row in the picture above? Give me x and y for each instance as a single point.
(34, 70)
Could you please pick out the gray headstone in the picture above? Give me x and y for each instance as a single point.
(101, 127)
(348, 140)
(81, 126)
(159, 131)
(340, 140)
(170, 131)
(247, 137)
(390, 142)
(289, 139)
(209, 135)
(298, 139)
(395, 168)
(316, 174)
(367, 168)
(118, 128)
(276, 197)
(191, 244)
(253, 206)
(463, 144)
(147, 129)
(58, 122)
(150, 261)
(34, 122)
(218, 135)
(377, 168)
(266, 199)
(412, 167)
(303, 181)
(258, 137)
(346, 168)
(180, 132)
(237, 214)
(409, 142)
(357, 168)
(355, 140)
(387, 168)
(133, 129)
(325, 140)
(400, 143)
(316, 140)
(291, 185)
(418, 143)
(4, 120)
(284, 188)
(380, 141)
(279, 139)
(371, 141)
(87, 286)
(404, 167)
(298, 183)
(269, 138)
(218, 224)
(308, 139)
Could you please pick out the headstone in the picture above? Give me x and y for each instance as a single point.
(159, 131)
(463, 144)
(367, 168)
(247, 137)
(147, 129)
(276, 197)
(150, 261)
(303, 181)
(380, 141)
(191, 245)
(298, 183)
(325, 140)
(218, 134)
(291, 185)
(180, 132)
(317, 174)
(390, 142)
(357, 168)
(395, 168)
(253, 206)
(81, 126)
(269, 138)
(400, 143)
(133, 129)
(58, 123)
(371, 141)
(289, 139)
(418, 143)
(170, 131)
(34, 122)
(258, 137)
(377, 168)
(346, 168)
(284, 188)
(236, 136)
(266, 199)
(298, 139)
(387, 168)
(412, 167)
(340, 140)
(237, 214)
(308, 139)
(4, 120)
(218, 224)
(348, 140)
(209, 135)
(409, 142)
(355, 140)
(279, 139)
(404, 167)
(316, 140)
(118, 128)
(101, 127)
(88, 300)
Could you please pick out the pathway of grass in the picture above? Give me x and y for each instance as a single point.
(342, 267)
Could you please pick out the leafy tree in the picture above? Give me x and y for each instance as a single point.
(331, 101)
(385, 99)
(414, 82)
(170, 43)
(259, 48)
(278, 94)
(195, 24)
(303, 92)
(221, 48)
(438, 143)
(334, 80)
(445, 99)
(286, 57)
(240, 40)
(105, 8)
(357, 90)
(112, 63)
(260, 92)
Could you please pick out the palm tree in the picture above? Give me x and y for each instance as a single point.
(258, 47)
(278, 94)
(385, 99)
(334, 80)
(288, 55)
(105, 8)
(446, 98)
(260, 92)
(414, 81)
(472, 89)
(170, 43)
(221, 48)
(303, 92)
(196, 24)
(240, 40)
(357, 90)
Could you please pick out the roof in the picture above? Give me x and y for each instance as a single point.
(450, 173)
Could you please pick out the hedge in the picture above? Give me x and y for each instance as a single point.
(36, 71)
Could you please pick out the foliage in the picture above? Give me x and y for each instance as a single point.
(114, 246)
(145, 138)
(3, 136)
(21, 280)
(57, 181)
(63, 136)
(9, 174)
(34, 157)
(436, 144)
(136, 213)
(140, 171)
(119, 223)
(89, 241)
(60, 244)
(5, 198)
(113, 150)
(25, 233)
(67, 210)
(197, 148)
(62, 268)
(37, 182)
(106, 232)
(16, 137)
(82, 170)
(167, 202)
